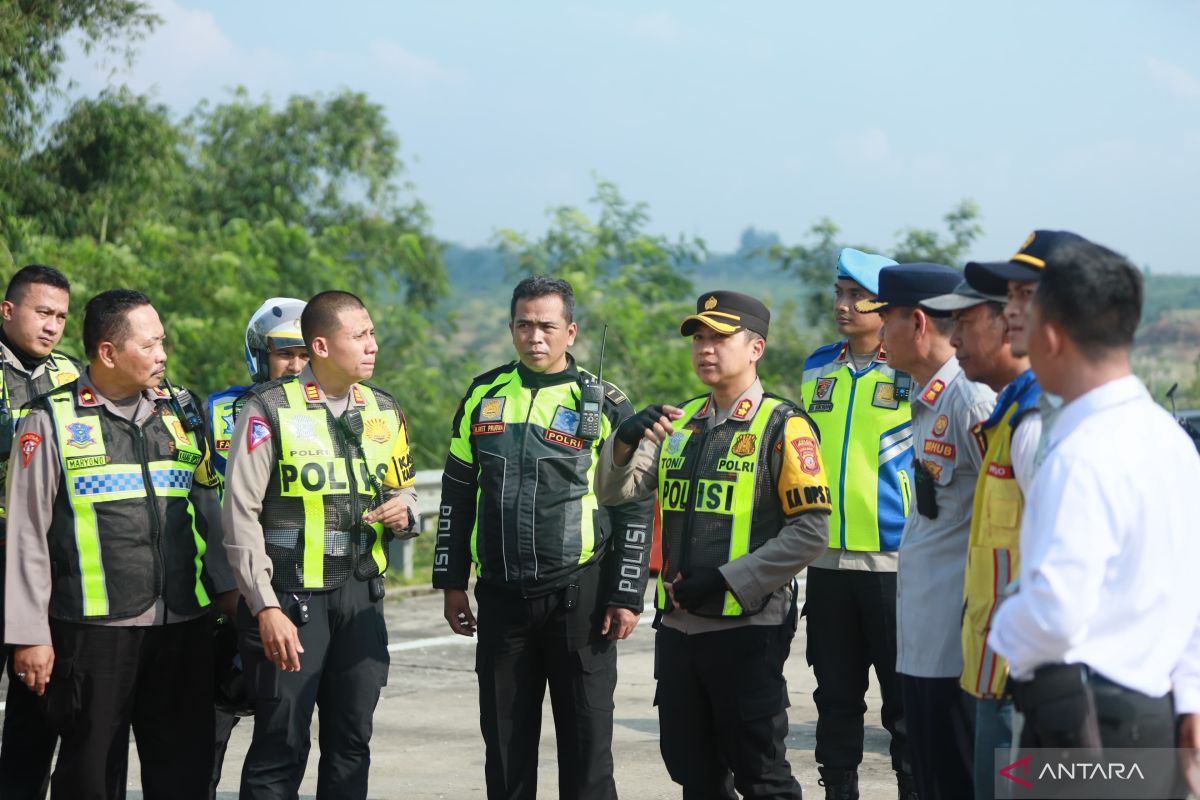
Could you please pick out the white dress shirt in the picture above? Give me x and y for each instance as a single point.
(1109, 549)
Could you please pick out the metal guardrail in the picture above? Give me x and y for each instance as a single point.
(429, 493)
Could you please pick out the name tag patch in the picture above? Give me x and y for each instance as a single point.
(943, 449)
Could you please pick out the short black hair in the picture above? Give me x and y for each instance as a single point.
(106, 318)
(541, 286)
(321, 315)
(30, 274)
(1094, 294)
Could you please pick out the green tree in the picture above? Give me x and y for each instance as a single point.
(111, 161)
(32, 34)
(624, 277)
(813, 260)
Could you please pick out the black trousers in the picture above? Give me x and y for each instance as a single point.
(526, 644)
(28, 743)
(722, 711)
(1127, 719)
(342, 670)
(225, 723)
(941, 731)
(156, 679)
(851, 623)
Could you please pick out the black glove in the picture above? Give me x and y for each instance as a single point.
(634, 428)
(693, 591)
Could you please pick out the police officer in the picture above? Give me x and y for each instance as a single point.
(552, 599)
(946, 407)
(744, 504)
(1009, 437)
(274, 348)
(35, 312)
(319, 473)
(861, 405)
(1103, 633)
(113, 507)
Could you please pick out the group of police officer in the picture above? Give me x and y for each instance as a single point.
(900, 479)
(123, 540)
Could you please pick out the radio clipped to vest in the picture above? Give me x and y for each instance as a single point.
(185, 404)
(352, 427)
(591, 397)
(903, 385)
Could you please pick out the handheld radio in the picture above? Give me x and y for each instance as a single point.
(591, 398)
(186, 405)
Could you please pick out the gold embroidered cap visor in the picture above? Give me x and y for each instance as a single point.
(727, 312)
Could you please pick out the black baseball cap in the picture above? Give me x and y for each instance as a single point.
(992, 277)
(910, 285)
(727, 312)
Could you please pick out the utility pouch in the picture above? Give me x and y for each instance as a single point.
(926, 491)
(1060, 706)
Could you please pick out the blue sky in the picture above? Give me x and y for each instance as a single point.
(881, 115)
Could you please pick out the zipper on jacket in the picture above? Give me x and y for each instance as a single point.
(160, 583)
(684, 549)
(845, 451)
(533, 391)
(356, 512)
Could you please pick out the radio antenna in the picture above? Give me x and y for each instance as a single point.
(600, 369)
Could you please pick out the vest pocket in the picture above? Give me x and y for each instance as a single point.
(1001, 526)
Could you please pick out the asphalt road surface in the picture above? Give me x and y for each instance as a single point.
(427, 743)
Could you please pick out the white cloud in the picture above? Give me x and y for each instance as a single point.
(187, 57)
(1176, 79)
(408, 65)
(659, 28)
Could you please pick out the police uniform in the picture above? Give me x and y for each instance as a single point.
(517, 503)
(297, 487)
(742, 490)
(117, 550)
(850, 598)
(28, 745)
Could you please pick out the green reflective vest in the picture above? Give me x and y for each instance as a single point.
(321, 487)
(124, 532)
(714, 503)
(17, 388)
(866, 445)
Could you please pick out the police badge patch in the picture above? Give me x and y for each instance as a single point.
(822, 395)
(885, 396)
(745, 444)
(807, 450)
(491, 409)
(566, 420)
(81, 435)
(259, 432)
(675, 442)
(376, 429)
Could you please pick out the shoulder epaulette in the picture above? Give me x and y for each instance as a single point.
(823, 355)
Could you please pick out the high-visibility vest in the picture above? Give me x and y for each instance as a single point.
(714, 503)
(321, 486)
(866, 446)
(124, 532)
(221, 419)
(993, 554)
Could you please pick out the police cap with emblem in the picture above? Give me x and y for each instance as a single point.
(964, 296)
(992, 277)
(727, 312)
(911, 285)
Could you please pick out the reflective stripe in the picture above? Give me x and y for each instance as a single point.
(84, 486)
(91, 568)
(201, 549)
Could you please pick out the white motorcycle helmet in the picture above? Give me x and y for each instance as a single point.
(274, 326)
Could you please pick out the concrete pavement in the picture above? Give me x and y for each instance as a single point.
(427, 743)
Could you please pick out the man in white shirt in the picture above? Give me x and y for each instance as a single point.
(1103, 637)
